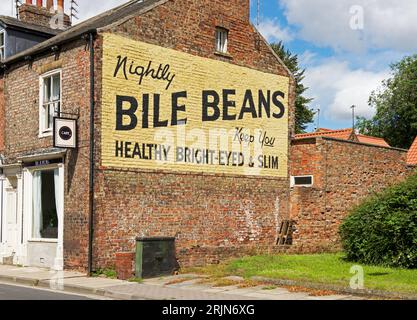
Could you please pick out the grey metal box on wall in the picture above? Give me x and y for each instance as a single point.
(155, 256)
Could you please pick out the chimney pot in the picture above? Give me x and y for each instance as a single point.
(28, 1)
(49, 4)
(61, 5)
(39, 3)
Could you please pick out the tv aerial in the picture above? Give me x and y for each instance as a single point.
(74, 10)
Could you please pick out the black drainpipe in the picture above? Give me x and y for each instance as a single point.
(91, 184)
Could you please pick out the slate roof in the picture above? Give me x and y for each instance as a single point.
(412, 154)
(18, 24)
(90, 25)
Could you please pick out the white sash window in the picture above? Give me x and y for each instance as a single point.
(221, 40)
(50, 97)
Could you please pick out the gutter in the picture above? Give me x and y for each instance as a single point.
(91, 180)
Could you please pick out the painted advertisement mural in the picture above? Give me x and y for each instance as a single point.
(165, 109)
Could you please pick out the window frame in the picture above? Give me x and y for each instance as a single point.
(221, 48)
(3, 48)
(47, 132)
(302, 185)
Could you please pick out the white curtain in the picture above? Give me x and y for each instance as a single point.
(58, 191)
(37, 205)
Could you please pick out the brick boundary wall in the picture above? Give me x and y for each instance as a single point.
(345, 173)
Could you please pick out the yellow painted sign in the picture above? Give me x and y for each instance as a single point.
(165, 109)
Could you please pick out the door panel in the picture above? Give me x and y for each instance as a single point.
(11, 221)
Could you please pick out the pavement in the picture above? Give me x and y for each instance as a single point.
(180, 287)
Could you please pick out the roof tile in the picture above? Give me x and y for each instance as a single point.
(412, 154)
(344, 134)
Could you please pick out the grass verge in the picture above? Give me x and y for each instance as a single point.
(325, 269)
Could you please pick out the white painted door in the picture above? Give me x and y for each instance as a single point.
(11, 222)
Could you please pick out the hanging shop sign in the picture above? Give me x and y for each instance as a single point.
(65, 133)
(165, 109)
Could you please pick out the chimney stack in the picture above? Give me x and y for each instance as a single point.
(45, 16)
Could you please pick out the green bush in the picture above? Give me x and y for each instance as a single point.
(383, 229)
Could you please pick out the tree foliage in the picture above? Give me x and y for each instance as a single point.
(383, 229)
(396, 106)
(303, 115)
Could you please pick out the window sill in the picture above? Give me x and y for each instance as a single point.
(223, 54)
(44, 240)
(45, 134)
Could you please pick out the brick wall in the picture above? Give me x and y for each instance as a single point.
(344, 174)
(212, 216)
(22, 134)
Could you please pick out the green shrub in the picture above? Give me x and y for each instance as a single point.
(383, 229)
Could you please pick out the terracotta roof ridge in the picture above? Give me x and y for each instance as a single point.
(370, 137)
(323, 133)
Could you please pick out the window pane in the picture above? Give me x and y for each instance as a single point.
(45, 217)
(46, 90)
(303, 180)
(221, 40)
(56, 87)
(51, 114)
(45, 117)
(1, 39)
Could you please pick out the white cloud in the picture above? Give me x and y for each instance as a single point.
(89, 8)
(272, 31)
(306, 58)
(336, 87)
(388, 24)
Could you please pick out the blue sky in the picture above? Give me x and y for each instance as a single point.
(346, 46)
